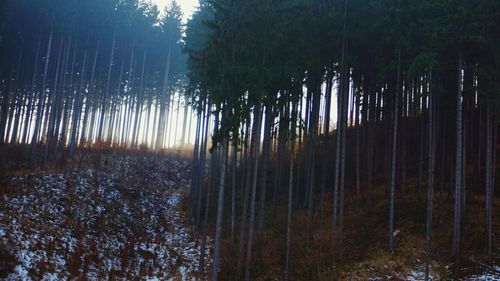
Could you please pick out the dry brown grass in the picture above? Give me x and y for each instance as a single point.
(360, 253)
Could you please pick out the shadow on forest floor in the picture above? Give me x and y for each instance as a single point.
(360, 254)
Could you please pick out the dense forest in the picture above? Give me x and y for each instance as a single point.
(321, 131)
(78, 73)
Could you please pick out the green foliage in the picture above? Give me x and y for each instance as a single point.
(246, 52)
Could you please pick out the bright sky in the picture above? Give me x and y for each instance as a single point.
(188, 6)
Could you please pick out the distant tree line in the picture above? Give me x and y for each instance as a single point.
(338, 97)
(96, 72)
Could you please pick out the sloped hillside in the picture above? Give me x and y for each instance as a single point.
(120, 218)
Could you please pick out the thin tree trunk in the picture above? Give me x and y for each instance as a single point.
(233, 184)
(106, 91)
(394, 151)
(55, 102)
(68, 103)
(184, 121)
(194, 163)
(313, 134)
(326, 136)
(6, 108)
(140, 100)
(62, 106)
(165, 96)
(211, 183)
(251, 161)
(489, 180)
(201, 168)
(77, 107)
(458, 167)
(220, 211)
(430, 182)
(40, 101)
(290, 197)
(90, 93)
(358, 134)
(115, 101)
(338, 188)
(15, 131)
(258, 124)
(264, 169)
(29, 111)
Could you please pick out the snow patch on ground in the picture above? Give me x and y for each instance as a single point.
(120, 220)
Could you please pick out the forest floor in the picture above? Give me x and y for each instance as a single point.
(109, 215)
(122, 215)
(361, 253)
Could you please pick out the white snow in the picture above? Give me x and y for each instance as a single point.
(123, 218)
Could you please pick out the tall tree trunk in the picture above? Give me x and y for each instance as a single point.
(255, 169)
(201, 169)
(106, 91)
(282, 136)
(211, 181)
(91, 92)
(114, 113)
(251, 161)
(77, 107)
(493, 173)
(489, 179)
(430, 180)
(61, 119)
(392, 188)
(286, 276)
(184, 121)
(29, 110)
(41, 96)
(55, 107)
(15, 130)
(358, 135)
(313, 134)
(16, 100)
(268, 122)
(326, 137)
(233, 183)
(220, 211)
(194, 163)
(5, 108)
(164, 97)
(458, 166)
(130, 103)
(341, 119)
(140, 101)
